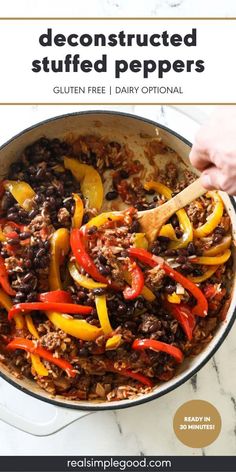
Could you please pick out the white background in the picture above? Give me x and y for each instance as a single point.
(215, 40)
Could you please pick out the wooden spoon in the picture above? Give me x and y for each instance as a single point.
(151, 221)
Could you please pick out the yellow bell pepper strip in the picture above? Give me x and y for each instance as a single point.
(214, 219)
(33, 348)
(101, 305)
(90, 181)
(183, 218)
(69, 308)
(82, 257)
(201, 278)
(60, 245)
(173, 298)
(78, 328)
(113, 342)
(2, 236)
(215, 260)
(22, 192)
(31, 327)
(201, 308)
(104, 218)
(79, 211)
(38, 366)
(168, 231)
(6, 302)
(82, 280)
(219, 248)
(141, 344)
(146, 292)
(140, 240)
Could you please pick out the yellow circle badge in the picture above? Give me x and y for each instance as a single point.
(197, 423)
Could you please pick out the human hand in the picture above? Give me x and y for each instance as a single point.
(214, 151)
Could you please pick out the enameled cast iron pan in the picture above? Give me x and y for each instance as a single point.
(136, 132)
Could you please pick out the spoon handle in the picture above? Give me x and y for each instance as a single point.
(186, 196)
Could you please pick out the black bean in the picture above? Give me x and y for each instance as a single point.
(124, 253)
(84, 352)
(156, 249)
(47, 244)
(27, 263)
(42, 263)
(122, 308)
(170, 252)
(25, 288)
(111, 195)
(130, 325)
(181, 259)
(81, 295)
(32, 296)
(191, 249)
(183, 252)
(32, 214)
(25, 235)
(92, 230)
(135, 227)
(150, 192)
(163, 239)
(140, 207)
(102, 259)
(41, 252)
(187, 267)
(220, 230)
(7, 201)
(174, 221)
(28, 277)
(151, 206)
(13, 241)
(123, 174)
(170, 289)
(20, 295)
(99, 291)
(217, 238)
(104, 270)
(12, 216)
(178, 232)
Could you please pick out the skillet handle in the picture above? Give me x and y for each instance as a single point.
(62, 418)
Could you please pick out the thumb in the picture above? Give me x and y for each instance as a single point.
(211, 178)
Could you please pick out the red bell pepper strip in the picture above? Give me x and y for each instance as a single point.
(82, 257)
(183, 314)
(58, 296)
(201, 308)
(12, 235)
(13, 224)
(137, 282)
(49, 306)
(4, 279)
(141, 344)
(30, 346)
(129, 373)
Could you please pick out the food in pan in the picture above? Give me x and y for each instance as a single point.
(89, 308)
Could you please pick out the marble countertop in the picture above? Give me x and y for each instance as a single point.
(145, 429)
